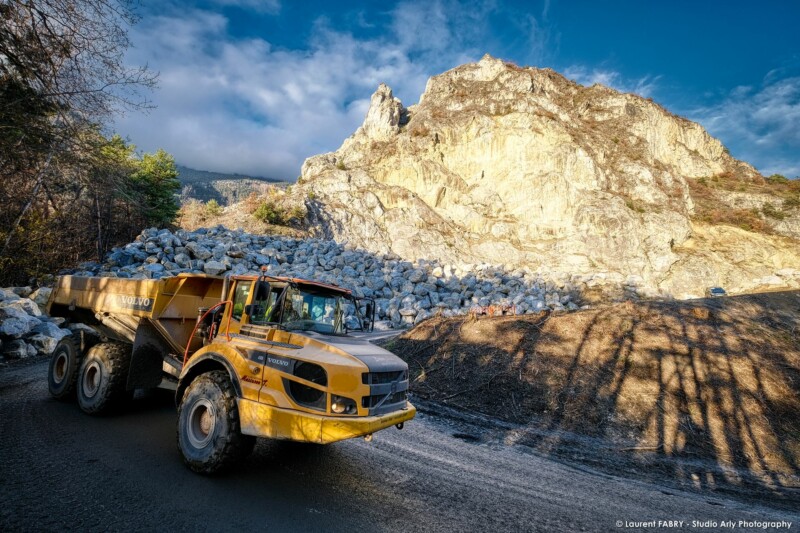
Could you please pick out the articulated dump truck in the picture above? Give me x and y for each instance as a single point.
(247, 357)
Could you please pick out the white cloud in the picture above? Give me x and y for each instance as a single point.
(247, 106)
(644, 86)
(759, 125)
(259, 6)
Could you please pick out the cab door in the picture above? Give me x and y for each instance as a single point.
(248, 367)
(241, 297)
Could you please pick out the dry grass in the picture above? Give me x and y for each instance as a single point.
(195, 214)
(709, 379)
(709, 209)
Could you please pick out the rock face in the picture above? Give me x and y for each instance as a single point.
(503, 165)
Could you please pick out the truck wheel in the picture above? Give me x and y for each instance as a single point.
(103, 377)
(208, 425)
(63, 371)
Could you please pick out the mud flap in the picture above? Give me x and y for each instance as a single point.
(149, 351)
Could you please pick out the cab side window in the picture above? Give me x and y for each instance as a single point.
(264, 303)
(240, 295)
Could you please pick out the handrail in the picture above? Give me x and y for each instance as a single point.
(189, 343)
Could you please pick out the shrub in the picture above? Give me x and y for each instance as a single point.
(272, 214)
(746, 219)
(213, 209)
(772, 212)
(792, 202)
(193, 214)
(419, 130)
(776, 179)
(251, 203)
(634, 207)
(267, 212)
(340, 165)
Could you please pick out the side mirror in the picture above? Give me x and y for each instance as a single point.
(262, 291)
(252, 309)
(369, 317)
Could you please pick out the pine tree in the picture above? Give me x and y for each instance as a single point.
(157, 181)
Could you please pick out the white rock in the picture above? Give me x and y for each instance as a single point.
(8, 294)
(50, 329)
(15, 322)
(18, 349)
(214, 268)
(382, 325)
(43, 343)
(23, 304)
(22, 292)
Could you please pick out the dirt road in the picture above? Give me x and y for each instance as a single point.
(62, 469)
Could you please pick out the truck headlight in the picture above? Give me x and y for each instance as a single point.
(343, 406)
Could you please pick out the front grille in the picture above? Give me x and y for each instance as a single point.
(305, 395)
(377, 378)
(368, 402)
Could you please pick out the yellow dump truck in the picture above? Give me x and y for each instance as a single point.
(247, 356)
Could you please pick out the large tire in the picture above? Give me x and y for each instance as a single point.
(103, 377)
(62, 374)
(209, 436)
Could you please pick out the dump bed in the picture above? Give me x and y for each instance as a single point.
(111, 295)
(170, 304)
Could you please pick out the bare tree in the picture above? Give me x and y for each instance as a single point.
(71, 54)
(62, 76)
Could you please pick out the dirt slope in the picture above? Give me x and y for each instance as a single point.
(714, 382)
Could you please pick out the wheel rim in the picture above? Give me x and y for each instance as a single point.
(60, 367)
(202, 421)
(92, 376)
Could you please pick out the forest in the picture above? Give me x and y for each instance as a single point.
(71, 189)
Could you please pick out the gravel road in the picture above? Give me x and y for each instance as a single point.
(61, 469)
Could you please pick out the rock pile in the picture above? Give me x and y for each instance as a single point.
(25, 330)
(405, 292)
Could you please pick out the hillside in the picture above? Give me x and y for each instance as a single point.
(226, 189)
(706, 390)
(522, 167)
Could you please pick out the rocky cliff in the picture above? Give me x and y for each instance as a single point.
(522, 167)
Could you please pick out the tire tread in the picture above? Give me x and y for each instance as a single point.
(235, 446)
(69, 391)
(117, 356)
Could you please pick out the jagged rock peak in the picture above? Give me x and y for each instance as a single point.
(384, 115)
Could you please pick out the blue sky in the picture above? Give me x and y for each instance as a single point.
(256, 86)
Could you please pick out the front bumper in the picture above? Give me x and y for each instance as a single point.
(261, 420)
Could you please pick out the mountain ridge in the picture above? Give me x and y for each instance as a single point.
(224, 188)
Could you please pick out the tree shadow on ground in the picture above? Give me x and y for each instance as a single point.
(704, 391)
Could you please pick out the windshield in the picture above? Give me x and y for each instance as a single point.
(313, 311)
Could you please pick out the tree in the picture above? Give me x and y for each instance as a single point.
(71, 54)
(62, 75)
(157, 181)
(213, 208)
